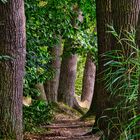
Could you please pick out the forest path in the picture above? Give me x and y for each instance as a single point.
(66, 128)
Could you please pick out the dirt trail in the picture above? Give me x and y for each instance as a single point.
(65, 128)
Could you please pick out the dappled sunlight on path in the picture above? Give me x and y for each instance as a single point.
(66, 128)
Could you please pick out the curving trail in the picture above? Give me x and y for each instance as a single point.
(65, 128)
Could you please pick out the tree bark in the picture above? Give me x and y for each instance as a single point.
(100, 97)
(124, 16)
(40, 88)
(12, 44)
(51, 86)
(104, 44)
(66, 89)
(138, 99)
(88, 80)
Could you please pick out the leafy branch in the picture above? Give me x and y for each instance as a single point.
(4, 1)
(5, 57)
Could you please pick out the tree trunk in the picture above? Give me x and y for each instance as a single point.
(66, 89)
(125, 18)
(40, 88)
(12, 44)
(104, 45)
(100, 96)
(88, 80)
(51, 86)
(100, 100)
(124, 15)
(138, 43)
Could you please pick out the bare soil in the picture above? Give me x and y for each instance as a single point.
(65, 127)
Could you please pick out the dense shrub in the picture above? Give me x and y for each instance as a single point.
(37, 114)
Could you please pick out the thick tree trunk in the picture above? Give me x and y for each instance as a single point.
(138, 43)
(138, 99)
(100, 96)
(51, 86)
(124, 16)
(100, 100)
(66, 89)
(12, 43)
(104, 44)
(88, 80)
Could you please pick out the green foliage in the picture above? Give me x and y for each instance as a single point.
(86, 42)
(46, 20)
(30, 90)
(5, 57)
(37, 114)
(37, 47)
(4, 1)
(79, 75)
(121, 77)
(37, 66)
(38, 57)
(122, 70)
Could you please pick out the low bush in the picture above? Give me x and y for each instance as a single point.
(37, 114)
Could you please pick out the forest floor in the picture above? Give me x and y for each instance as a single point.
(66, 126)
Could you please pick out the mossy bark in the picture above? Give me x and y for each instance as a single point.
(51, 86)
(40, 88)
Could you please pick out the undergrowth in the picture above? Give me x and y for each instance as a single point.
(37, 114)
(122, 82)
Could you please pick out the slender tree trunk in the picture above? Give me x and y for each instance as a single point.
(51, 86)
(66, 89)
(88, 80)
(12, 43)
